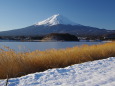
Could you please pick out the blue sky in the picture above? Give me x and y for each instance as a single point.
(16, 14)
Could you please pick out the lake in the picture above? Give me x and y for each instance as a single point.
(31, 46)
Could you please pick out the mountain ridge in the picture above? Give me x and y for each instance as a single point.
(57, 24)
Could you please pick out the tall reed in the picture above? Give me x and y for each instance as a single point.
(14, 64)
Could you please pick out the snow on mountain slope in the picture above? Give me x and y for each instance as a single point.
(55, 20)
(96, 73)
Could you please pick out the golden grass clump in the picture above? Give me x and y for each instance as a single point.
(16, 64)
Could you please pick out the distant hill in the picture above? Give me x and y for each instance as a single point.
(60, 37)
(57, 24)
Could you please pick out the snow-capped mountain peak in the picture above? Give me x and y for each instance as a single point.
(55, 20)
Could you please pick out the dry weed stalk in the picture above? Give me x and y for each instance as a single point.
(12, 63)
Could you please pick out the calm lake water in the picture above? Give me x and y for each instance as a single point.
(31, 46)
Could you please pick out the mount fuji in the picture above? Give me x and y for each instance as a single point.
(57, 24)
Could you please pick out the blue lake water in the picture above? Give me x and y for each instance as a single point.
(31, 46)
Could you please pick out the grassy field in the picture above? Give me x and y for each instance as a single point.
(14, 64)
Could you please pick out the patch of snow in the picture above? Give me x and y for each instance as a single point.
(55, 20)
(95, 73)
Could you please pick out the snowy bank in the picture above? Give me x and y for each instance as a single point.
(96, 73)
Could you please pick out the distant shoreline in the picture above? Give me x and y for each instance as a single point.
(54, 41)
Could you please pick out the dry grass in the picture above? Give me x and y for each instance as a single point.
(16, 64)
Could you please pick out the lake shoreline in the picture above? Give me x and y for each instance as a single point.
(54, 41)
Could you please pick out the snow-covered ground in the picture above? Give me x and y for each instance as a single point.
(96, 73)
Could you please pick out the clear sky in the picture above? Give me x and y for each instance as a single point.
(15, 14)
